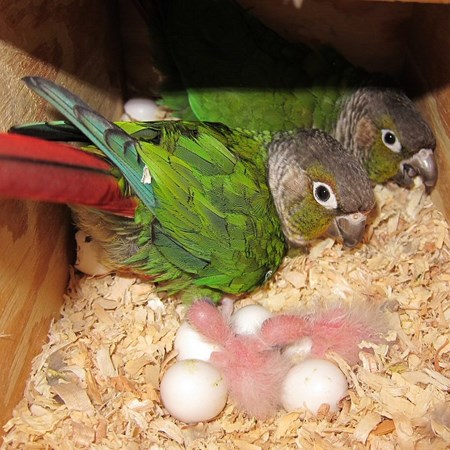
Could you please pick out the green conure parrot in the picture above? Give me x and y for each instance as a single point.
(221, 64)
(201, 209)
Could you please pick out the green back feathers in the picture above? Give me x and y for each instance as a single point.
(235, 70)
(214, 224)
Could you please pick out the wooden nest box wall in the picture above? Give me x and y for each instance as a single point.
(96, 48)
(74, 43)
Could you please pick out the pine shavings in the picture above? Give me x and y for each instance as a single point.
(366, 426)
(95, 384)
(74, 397)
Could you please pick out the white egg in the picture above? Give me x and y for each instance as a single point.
(190, 344)
(311, 383)
(248, 319)
(193, 391)
(141, 109)
(88, 255)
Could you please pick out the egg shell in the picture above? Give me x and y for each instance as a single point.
(312, 383)
(141, 109)
(190, 344)
(248, 319)
(193, 391)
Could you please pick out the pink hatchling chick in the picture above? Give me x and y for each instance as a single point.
(252, 369)
(254, 366)
(339, 329)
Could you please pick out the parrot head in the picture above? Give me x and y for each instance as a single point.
(397, 143)
(318, 188)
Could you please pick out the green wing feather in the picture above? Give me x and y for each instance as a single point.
(212, 200)
(119, 147)
(207, 221)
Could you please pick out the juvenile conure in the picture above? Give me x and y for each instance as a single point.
(223, 65)
(205, 209)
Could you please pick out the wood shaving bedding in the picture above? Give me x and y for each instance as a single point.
(95, 384)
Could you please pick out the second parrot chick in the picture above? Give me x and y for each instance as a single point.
(255, 365)
(235, 70)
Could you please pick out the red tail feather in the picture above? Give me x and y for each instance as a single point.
(40, 170)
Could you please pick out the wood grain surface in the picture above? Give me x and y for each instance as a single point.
(369, 34)
(428, 71)
(76, 44)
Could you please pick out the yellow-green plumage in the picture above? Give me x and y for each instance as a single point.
(221, 64)
(217, 207)
(213, 213)
(213, 228)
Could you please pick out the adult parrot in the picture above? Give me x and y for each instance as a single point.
(222, 64)
(201, 209)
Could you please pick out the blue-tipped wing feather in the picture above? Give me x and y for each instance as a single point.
(118, 146)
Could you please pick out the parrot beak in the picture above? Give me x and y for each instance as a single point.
(423, 164)
(350, 228)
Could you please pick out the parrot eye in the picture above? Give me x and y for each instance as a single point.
(390, 141)
(324, 195)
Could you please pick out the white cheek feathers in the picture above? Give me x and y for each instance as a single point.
(311, 383)
(248, 319)
(190, 344)
(88, 255)
(193, 391)
(141, 109)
